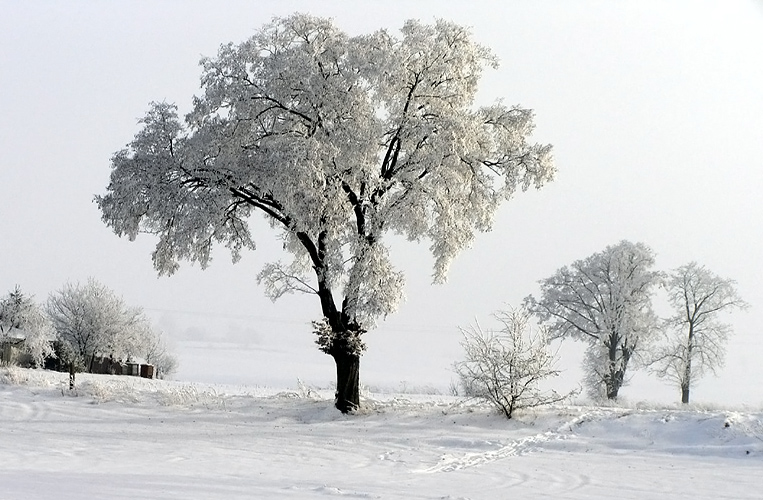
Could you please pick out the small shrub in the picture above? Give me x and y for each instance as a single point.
(505, 367)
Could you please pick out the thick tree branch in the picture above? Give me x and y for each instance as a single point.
(270, 207)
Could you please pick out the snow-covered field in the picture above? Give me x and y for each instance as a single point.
(120, 437)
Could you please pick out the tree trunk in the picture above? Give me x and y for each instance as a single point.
(71, 376)
(613, 388)
(686, 382)
(615, 377)
(343, 342)
(614, 383)
(347, 382)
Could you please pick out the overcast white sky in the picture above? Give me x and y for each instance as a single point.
(655, 110)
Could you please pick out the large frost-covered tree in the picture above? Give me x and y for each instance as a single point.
(22, 318)
(337, 140)
(606, 301)
(695, 340)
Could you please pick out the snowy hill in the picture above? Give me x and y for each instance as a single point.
(124, 437)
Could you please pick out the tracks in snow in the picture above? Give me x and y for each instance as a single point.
(450, 462)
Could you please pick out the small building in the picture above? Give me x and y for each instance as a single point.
(12, 353)
(109, 366)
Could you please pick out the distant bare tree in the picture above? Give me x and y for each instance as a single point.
(505, 367)
(695, 341)
(154, 350)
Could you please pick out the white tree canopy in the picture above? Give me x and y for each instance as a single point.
(337, 140)
(695, 339)
(91, 320)
(604, 300)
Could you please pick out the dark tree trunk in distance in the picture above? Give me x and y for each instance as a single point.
(71, 376)
(615, 377)
(686, 383)
(612, 392)
(347, 382)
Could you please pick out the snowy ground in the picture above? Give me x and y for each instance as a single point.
(121, 437)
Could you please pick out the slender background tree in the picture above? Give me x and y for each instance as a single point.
(337, 140)
(694, 337)
(604, 300)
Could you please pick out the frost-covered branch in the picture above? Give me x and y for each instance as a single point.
(280, 280)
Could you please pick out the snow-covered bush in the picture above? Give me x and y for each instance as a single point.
(506, 367)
